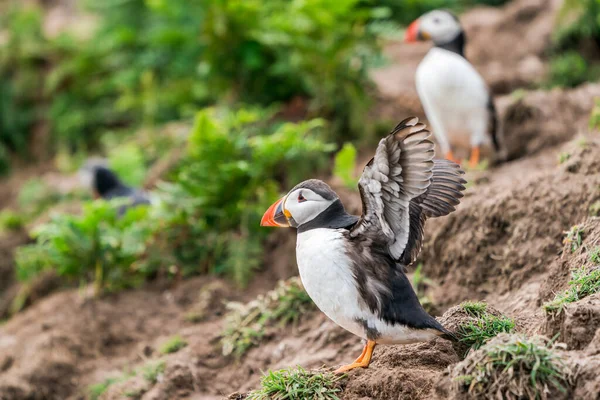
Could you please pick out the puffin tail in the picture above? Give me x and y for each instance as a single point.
(446, 334)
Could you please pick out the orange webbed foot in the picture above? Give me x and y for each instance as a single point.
(362, 361)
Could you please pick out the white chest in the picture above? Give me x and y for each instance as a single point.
(451, 79)
(326, 274)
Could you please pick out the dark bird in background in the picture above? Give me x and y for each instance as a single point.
(354, 268)
(105, 184)
(456, 99)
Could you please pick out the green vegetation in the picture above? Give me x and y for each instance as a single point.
(211, 212)
(595, 255)
(595, 209)
(574, 237)
(152, 370)
(578, 25)
(96, 246)
(513, 365)
(563, 157)
(298, 384)
(247, 324)
(145, 63)
(208, 216)
(172, 345)
(584, 282)
(345, 166)
(595, 115)
(570, 69)
(474, 308)
(11, 221)
(96, 390)
(483, 325)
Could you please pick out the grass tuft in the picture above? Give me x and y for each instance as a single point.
(151, 371)
(173, 345)
(584, 282)
(298, 384)
(574, 237)
(246, 324)
(482, 325)
(474, 308)
(513, 366)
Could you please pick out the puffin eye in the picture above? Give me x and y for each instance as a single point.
(301, 198)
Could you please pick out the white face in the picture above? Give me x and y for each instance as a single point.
(304, 205)
(439, 26)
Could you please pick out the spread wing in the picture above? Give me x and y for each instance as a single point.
(402, 186)
(440, 198)
(400, 171)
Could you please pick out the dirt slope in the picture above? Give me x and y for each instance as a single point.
(504, 244)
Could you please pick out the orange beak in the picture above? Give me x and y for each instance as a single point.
(412, 33)
(276, 215)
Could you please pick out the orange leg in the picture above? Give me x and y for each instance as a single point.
(474, 160)
(450, 156)
(362, 361)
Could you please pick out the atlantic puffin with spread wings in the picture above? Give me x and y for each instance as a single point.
(353, 268)
(455, 97)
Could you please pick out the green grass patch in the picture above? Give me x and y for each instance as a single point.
(151, 371)
(584, 282)
(298, 384)
(173, 345)
(574, 237)
(96, 390)
(563, 157)
(511, 364)
(11, 221)
(482, 325)
(246, 324)
(474, 308)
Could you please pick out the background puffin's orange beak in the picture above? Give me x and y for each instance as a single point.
(275, 216)
(412, 33)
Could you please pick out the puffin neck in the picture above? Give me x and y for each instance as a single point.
(334, 217)
(456, 45)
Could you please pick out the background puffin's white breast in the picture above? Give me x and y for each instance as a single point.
(326, 274)
(451, 87)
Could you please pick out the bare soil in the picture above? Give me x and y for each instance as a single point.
(504, 245)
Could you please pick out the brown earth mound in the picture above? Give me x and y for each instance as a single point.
(512, 229)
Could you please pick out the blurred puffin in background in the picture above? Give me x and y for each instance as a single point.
(105, 184)
(353, 268)
(456, 99)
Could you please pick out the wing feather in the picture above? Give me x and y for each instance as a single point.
(400, 171)
(439, 199)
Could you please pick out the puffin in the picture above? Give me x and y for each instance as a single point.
(105, 184)
(456, 99)
(354, 268)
